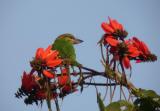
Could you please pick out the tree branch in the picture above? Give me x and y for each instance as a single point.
(117, 78)
(98, 84)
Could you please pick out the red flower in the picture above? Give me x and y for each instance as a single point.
(64, 71)
(44, 59)
(64, 83)
(112, 27)
(123, 51)
(145, 54)
(28, 82)
(126, 62)
(48, 73)
(111, 40)
(68, 89)
(48, 57)
(63, 80)
(41, 95)
(144, 51)
(132, 52)
(141, 46)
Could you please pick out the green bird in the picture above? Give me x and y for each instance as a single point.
(65, 45)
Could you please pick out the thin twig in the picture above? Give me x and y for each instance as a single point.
(106, 90)
(102, 54)
(110, 91)
(97, 84)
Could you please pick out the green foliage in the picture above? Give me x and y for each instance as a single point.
(121, 105)
(100, 103)
(148, 100)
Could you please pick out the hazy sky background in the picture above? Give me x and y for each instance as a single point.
(26, 25)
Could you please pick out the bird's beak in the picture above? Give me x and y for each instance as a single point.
(77, 41)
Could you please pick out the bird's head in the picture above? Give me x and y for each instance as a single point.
(70, 38)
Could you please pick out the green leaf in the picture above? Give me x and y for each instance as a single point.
(100, 103)
(148, 100)
(149, 93)
(121, 105)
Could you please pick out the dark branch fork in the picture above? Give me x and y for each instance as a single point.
(90, 73)
(128, 84)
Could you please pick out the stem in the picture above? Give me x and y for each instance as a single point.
(57, 105)
(48, 95)
(123, 72)
(113, 92)
(120, 92)
(102, 54)
(123, 94)
(107, 54)
(110, 91)
(106, 90)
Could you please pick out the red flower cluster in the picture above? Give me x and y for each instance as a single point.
(123, 50)
(65, 83)
(43, 81)
(48, 57)
(45, 60)
(31, 86)
(145, 53)
(28, 82)
(41, 95)
(114, 29)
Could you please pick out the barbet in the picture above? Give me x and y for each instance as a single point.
(65, 45)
